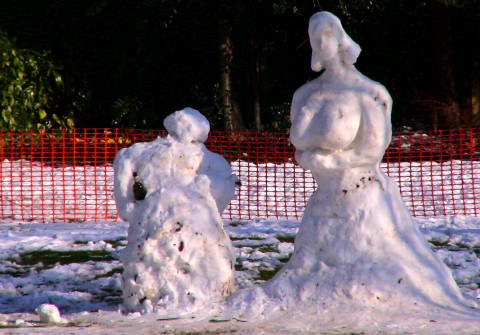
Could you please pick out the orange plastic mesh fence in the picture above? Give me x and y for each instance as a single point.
(67, 175)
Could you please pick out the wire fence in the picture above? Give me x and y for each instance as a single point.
(67, 175)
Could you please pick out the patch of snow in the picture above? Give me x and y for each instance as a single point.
(93, 300)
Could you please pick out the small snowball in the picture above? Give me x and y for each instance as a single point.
(187, 125)
(49, 313)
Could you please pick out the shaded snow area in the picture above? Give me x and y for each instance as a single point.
(76, 267)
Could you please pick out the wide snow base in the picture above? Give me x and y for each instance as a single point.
(178, 260)
(358, 250)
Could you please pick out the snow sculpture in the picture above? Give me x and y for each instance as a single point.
(357, 247)
(172, 190)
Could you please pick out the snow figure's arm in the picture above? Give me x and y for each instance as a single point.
(222, 179)
(123, 182)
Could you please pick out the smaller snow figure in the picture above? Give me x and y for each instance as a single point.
(178, 260)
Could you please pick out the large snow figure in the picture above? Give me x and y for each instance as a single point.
(357, 246)
(178, 260)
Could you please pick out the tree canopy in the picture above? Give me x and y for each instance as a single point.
(129, 63)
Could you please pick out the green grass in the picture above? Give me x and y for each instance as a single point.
(239, 267)
(36, 324)
(462, 245)
(438, 243)
(266, 274)
(241, 238)
(49, 258)
(267, 248)
(119, 242)
(285, 238)
(110, 273)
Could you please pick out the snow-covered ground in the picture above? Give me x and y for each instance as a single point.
(76, 267)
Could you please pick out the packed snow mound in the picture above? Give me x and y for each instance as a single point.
(187, 125)
(357, 247)
(49, 313)
(178, 260)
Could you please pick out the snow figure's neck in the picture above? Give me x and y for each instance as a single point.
(337, 71)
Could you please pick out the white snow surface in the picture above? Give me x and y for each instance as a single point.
(87, 291)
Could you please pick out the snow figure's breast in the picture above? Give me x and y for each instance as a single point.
(333, 121)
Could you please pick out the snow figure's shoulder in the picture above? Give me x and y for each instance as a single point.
(187, 125)
(306, 89)
(215, 162)
(375, 90)
(302, 94)
(222, 179)
(137, 149)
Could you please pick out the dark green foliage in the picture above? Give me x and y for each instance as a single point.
(30, 84)
(129, 63)
(285, 238)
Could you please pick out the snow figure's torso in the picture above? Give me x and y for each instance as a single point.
(356, 243)
(340, 123)
(178, 260)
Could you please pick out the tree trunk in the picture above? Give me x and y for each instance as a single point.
(443, 79)
(232, 116)
(476, 92)
(253, 82)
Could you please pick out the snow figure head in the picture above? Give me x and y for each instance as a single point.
(330, 42)
(187, 125)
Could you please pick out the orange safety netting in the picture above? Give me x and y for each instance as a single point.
(67, 175)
